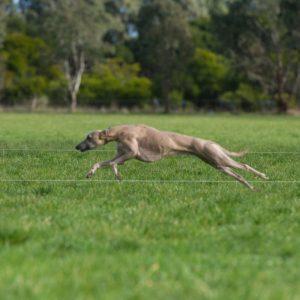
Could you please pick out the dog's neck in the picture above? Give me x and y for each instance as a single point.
(114, 133)
(110, 135)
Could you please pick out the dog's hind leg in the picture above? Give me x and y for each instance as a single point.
(238, 177)
(252, 170)
(246, 167)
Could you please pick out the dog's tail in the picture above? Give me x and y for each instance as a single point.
(236, 154)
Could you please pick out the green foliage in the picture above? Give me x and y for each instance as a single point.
(115, 82)
(73, 25)
(2, 21)
(26, 71)
(246, 97)
(76, 31)
(57, 91)
(164, 46)
(123, 52)
(203, 35)
(257, 35)
(209, 72)
(196, 50)
(176, 97)
(135, 91)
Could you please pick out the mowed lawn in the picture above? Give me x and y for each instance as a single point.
(148, 240)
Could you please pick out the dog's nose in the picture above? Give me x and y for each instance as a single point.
(77, 147)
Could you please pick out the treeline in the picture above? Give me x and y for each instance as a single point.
(207, 54)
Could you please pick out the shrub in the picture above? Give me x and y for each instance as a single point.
(209, 72)
(246, 98)
(27, 72)
(115, 82)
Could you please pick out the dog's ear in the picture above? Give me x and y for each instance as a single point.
(103, 134)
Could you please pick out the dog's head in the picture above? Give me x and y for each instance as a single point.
(94, 139)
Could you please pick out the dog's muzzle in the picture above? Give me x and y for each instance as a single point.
(81, 148)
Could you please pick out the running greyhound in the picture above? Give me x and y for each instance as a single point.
(148, 144)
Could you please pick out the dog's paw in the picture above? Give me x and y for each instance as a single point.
(119, 177)
(89, 174)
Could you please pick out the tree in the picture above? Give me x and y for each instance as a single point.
(2, 20)
(76, 30)
(27, 69)
(202, 33)
(209, 72)
(3, 6)
(255, 34)
(290, 12)
(164, 46)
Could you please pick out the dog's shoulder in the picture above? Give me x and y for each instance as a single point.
(146, 127)
(136, 131)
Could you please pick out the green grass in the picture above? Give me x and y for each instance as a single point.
(93, 240)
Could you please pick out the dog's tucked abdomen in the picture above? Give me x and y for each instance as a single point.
(153, 144)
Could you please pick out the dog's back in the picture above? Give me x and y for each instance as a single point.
(155, 144)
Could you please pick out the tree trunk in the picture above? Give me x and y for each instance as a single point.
(282, 105)
(1, 73)
(166, 96)
(73, 97)
(75, 67)
(33, 103)
(296, 86)
(167, 108)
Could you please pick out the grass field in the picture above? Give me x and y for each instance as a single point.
(104, 240)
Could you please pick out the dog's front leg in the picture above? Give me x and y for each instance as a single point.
(116, 172)
(113, 163)
(120, 158)
(120, 161)
(97, 166)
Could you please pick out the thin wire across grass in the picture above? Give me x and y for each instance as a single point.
(113, 150)
(176, 181)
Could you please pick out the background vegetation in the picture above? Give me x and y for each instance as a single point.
(218, 54)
